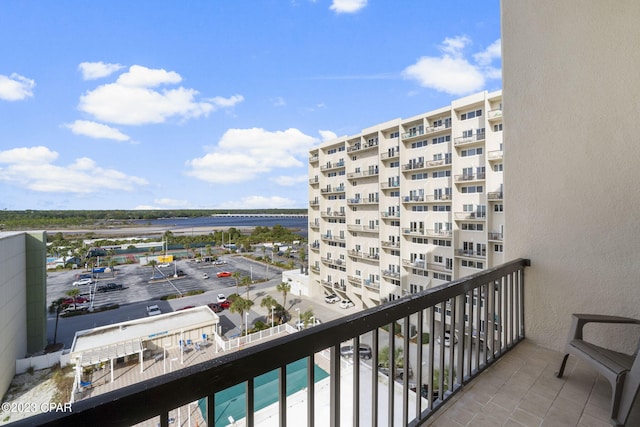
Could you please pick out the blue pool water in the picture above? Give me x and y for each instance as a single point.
(231, 401)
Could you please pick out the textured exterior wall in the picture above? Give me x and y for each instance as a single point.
(572, 119)
(13, 297)
(36, 271)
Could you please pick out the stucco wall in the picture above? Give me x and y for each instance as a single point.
(13, 296)
(571, 75)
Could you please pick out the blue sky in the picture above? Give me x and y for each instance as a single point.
(215, 104)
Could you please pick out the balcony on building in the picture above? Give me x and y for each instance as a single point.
(314, 181)
(429, 130)
(472, 139)
(371, 284)
(314, 203)
(389, 185)
(390, 154)
(495, 237)
(389, 245)
(438, 198)
(371, 172)
(413, 232)
(355, 280)
(473, 216)
(373, 257)
(360, 228)
(471, 253)
(477, 373)
(314, 224)
(391, 274)
(331, 238)
(314, 158)
(495, 155)
(332, 261)
(446, 234)
(363, 146)
(494, 195)
(315, 246)
(363, 201)
(331, 166)
(413, 199)
(466, 178)
(389, 215)
(494, 115)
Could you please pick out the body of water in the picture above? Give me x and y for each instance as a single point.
(298, 222)
(231, 401)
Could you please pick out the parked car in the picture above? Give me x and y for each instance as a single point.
(164, 265)
(216, 308)
(313, 322)
(221, 298)
(219, 262)
(77, 300)
(447, 339)
(110, 287)
(153, 310)
(224, 274)
(347, 351)
(82, 282)
(331, 299)
(205, 276)
(346, 303)
(225, 304)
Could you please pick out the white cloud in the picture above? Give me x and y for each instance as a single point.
(96, 130)
(139, 76)
(260, 202)
(15, 87)
(289, 181)
(486, 57)
(84, 175)
(219, 101)
(347, 6)
(453, 73)
(244, 154)
(327, 135)
(132, 99)
(97, 70)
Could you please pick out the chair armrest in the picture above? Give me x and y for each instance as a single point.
(579, 320)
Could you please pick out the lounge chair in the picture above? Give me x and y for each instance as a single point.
(620, 369)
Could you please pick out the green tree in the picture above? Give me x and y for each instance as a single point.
(284, 288)
(73, 293)
(270, 304)
(246, 281)
(241, 305)
(306, 317)
(236, 275)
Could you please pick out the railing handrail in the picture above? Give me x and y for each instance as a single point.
(157, 396)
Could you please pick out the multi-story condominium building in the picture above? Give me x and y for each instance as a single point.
(408, 204)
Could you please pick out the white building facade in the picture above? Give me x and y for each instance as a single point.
(408, 204)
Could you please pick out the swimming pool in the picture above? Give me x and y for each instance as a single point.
(231, 401)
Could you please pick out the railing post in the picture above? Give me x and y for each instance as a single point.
(334, 386)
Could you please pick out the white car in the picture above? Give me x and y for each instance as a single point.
(345, 303)
(447, 339)
(221, 298)
(82, 282)
(331, 299)
(153, 310)
(205, 276)
(164, 265)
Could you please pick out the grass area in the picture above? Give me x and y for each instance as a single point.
(63, 379)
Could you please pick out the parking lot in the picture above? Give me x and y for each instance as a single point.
(139, 290)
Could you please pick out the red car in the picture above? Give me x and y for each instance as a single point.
(79, 300)
(216, 308)
(225, 304)
(224, 274)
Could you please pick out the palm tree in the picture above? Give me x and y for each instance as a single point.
(306, 317)
(284, 287)
(269, 303)
(246, 281)
(241, 305)
(303, 256)
(236, 275)
(73, 293)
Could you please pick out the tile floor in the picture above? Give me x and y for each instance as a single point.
(521, 389)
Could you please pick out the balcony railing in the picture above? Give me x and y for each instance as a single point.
(495, 236)
(425, 131)
(413, 199)
(470, 177)
(494, 155)
(361, 146)
(494, 195)
(390, 214)
(460, 216)
(356, 394)
(390, 154)
(363, 228)
(469, 139)
(363, 174)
